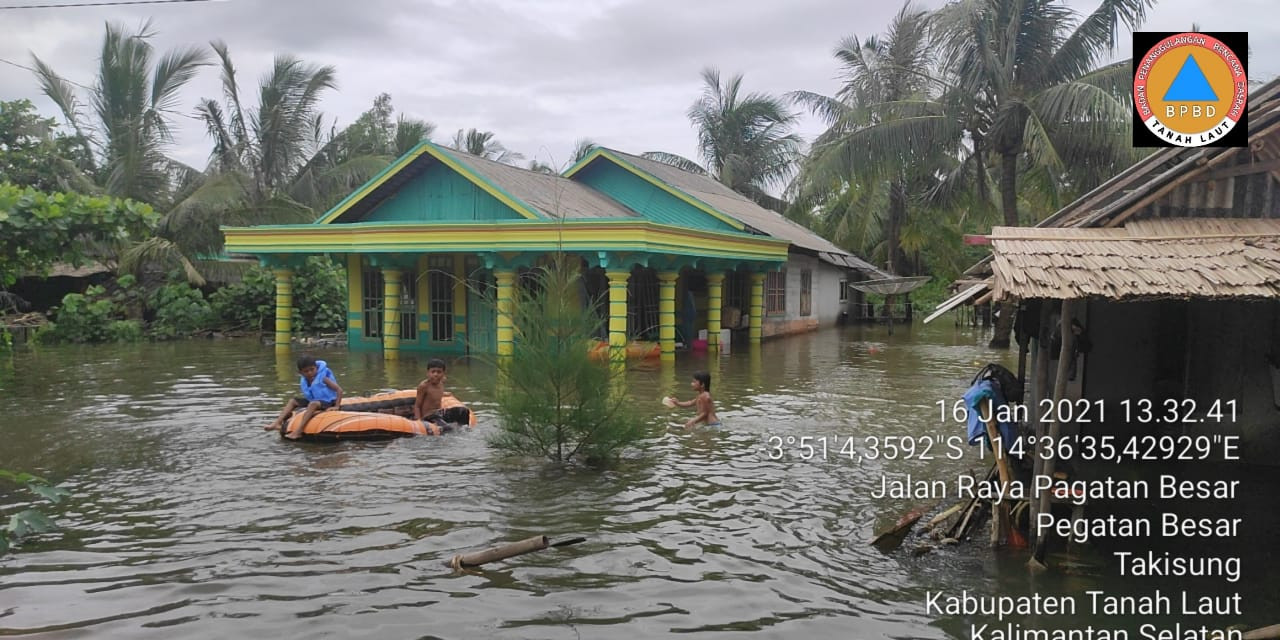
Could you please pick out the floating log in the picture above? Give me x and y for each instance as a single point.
(502, 552)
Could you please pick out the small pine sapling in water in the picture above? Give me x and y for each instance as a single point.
(554, 399)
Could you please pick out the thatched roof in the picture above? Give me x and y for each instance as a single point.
(1169, 258)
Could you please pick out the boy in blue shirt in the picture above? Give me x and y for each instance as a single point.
(320, 392)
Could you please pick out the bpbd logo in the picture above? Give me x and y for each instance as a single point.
(1190, 89)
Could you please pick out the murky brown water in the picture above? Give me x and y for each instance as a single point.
(189, 521)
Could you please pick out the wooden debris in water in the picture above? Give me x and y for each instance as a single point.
(502, 552)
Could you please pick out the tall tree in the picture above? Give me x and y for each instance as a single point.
(484, 144)
(258, 151)
(744, 140)
(33, 153)
(1048, 108)
(862, 190)
(132, 102)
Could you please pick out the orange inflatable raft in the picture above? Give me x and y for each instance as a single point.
(384, 415)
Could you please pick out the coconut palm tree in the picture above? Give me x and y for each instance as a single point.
(581, 149)
(258, 153)
(1046, 105)
(745, 141)
(485, 145)
(863, 191)
(124, 121)
(348, 158)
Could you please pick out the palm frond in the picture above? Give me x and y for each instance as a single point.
(678, 161)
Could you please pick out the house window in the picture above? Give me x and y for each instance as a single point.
(371, 288)
(844, 291)
(440, 296)
(775, 293)
(642, 304)
(806, 292)
(409, 306)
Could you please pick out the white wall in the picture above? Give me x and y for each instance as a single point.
(826, 306)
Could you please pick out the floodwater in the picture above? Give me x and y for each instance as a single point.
(187, 520)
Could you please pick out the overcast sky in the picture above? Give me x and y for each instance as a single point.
(539, 73)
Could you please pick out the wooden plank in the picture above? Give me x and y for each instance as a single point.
(1243, 170)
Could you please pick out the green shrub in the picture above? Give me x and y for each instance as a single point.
(84, 317)
(179, 310)
(554, 399)
(124, 331)
(248, 304)
(319, 297)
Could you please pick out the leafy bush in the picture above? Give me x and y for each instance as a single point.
(179, 310)
(84, 317)
(28, 521)
(554, 399)
(248, 304)
(124, 331)
(319, 297)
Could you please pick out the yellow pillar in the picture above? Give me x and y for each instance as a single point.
(390, 314)
(715, 288)
(355, 299)
(505, 279)
(667, 313)
(284, 308)
(618, 315)
(756, 329)
(460, 299)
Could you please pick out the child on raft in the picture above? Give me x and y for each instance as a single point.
(431, 393)
(701, 385)
(320, 392)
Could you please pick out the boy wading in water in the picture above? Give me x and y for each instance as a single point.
(701, 385)
(320, 392)
(430, 392)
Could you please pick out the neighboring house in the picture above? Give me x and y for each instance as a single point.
(1172, 268)
(672, 252)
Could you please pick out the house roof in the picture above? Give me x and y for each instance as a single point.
(531, 194)
(550, 194)
(1191, 257)
(714, 195)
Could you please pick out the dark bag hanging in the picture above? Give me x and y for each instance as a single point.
(1003, 378)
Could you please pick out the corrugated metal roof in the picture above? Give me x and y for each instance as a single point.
(552, 195)
(1183, 258)
(744, 210)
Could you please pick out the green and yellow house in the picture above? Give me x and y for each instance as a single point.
(439, 232)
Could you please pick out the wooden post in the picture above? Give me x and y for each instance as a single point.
(1000, 518)
(1055, 427)
(1036, 391)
